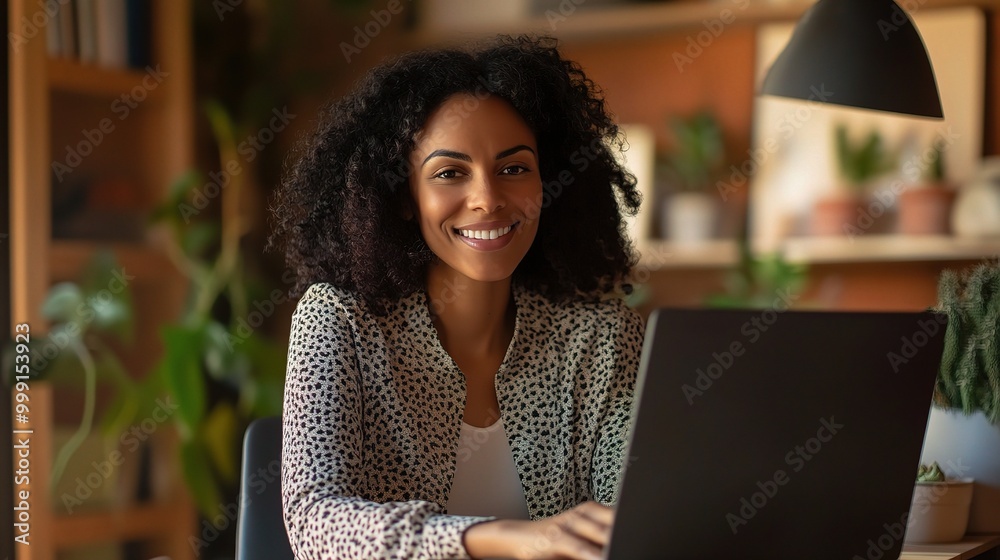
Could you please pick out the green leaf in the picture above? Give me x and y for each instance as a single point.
(183, 376)
(222, 355)
(263, 397)
(62, 302)
(221, 434)
(199, 237)
(110, 314)
(199, 478)
(62, 368)
(179, 189)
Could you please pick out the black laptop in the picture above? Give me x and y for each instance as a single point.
(777, 435)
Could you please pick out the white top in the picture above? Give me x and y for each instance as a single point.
(486, 480)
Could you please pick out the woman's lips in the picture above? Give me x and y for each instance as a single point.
(501, 237)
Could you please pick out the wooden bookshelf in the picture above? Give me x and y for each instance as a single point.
(165, 525)
(89, 79)
(889, 248)
(578, 22)
(52, 100)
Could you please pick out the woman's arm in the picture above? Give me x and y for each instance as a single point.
(620, 365)
(322, 460)
(576, 534)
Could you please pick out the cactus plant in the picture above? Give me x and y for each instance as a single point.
(969, 378)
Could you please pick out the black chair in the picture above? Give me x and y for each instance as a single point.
(260, 531)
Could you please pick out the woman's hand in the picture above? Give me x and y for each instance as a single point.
(578, 534)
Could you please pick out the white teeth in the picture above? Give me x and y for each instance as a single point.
(485, 234)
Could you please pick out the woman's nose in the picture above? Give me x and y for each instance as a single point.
(486, 195)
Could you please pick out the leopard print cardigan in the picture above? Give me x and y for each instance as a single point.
(373, 408)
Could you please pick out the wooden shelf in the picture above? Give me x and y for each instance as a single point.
(633, 20)
(970, 547)
(71, 76)
(716, 253)
(134, 523)
(888, 248)
(67, 259)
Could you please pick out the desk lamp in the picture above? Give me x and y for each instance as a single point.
(867, 53)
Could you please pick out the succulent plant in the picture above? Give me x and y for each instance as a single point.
(969, 378)
(930, 473)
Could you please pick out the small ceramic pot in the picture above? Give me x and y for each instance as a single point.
(939, 512)
(925, 210)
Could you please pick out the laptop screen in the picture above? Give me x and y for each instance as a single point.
(769, 434)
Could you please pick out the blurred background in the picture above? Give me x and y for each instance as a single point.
(146, 138)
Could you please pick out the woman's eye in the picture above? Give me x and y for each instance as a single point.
(447, 174)
(514, 170)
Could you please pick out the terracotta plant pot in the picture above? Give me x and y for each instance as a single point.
(925, 210)
(837, 215)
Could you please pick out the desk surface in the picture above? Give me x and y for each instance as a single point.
(969, 547)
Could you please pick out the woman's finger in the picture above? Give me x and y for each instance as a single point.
(582, 524)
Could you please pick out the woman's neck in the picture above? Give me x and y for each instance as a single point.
(471, 316)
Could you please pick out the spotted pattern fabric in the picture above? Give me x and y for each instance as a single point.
(373, 409)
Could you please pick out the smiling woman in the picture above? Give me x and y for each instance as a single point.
(460, 372)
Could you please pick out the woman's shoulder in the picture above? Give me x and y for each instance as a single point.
(327, 300)
(607, 312)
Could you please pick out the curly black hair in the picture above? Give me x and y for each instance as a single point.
(338, 211)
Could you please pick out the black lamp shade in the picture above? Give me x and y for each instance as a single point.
(859, 53)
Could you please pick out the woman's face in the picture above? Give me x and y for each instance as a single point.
(475, 186)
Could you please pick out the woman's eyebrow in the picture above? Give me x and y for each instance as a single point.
(446, 153)
(514, 150)
(465, 157)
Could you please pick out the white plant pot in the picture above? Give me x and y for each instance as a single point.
(976, 212)
(689, 217)
(968, 447)
(939, 512)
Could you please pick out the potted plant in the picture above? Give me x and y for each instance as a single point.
(976, 212)
(963, 430)
(939, 512)
(757, 281)
(857, 165)
(88, 319)
(217, 365)
(925, 206)
(689, 209)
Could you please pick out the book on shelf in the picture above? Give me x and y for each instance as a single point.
(87, 30)
(67, 31)
(112, 42)
(109, 33)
